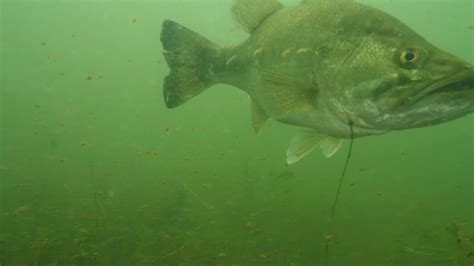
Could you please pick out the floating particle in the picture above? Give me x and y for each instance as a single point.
(21, 210)
(302, 51)
(88, 77)
(233, 28)
(84, 231)
(230, 60)
(43, 43)
(328, 238)
(37, 106)
(470, 26)
(285, 54)
(134, 20)
(84, 143)
(258, 52)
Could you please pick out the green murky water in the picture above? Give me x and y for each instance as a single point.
(94, 170)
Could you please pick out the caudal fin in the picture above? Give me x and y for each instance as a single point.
(189, 57)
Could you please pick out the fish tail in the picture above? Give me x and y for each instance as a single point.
(190, 58)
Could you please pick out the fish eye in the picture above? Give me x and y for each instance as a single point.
(409, 57)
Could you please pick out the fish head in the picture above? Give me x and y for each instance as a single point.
(390, 78)
(426, 86)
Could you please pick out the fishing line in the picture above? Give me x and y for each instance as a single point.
(328, 236)
(101, 219)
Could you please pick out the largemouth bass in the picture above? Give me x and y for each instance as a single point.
(336, 67)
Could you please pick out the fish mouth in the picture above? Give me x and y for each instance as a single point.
(458, 83)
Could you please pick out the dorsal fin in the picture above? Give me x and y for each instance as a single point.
(250, 13)
(323, 1)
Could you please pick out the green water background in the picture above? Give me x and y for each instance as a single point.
(94, 170)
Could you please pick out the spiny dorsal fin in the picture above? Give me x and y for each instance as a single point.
(250, 13)
(323, 1)
(259, 117)
(285, 95)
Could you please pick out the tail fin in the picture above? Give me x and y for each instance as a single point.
(189, 57)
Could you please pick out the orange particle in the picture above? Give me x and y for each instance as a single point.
(84, 143)
(21, 210)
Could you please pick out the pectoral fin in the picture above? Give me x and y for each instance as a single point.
(330, 146)
(304, 143)
(283, 95)
(259, 117)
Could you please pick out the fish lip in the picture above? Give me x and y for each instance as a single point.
(443, 85)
